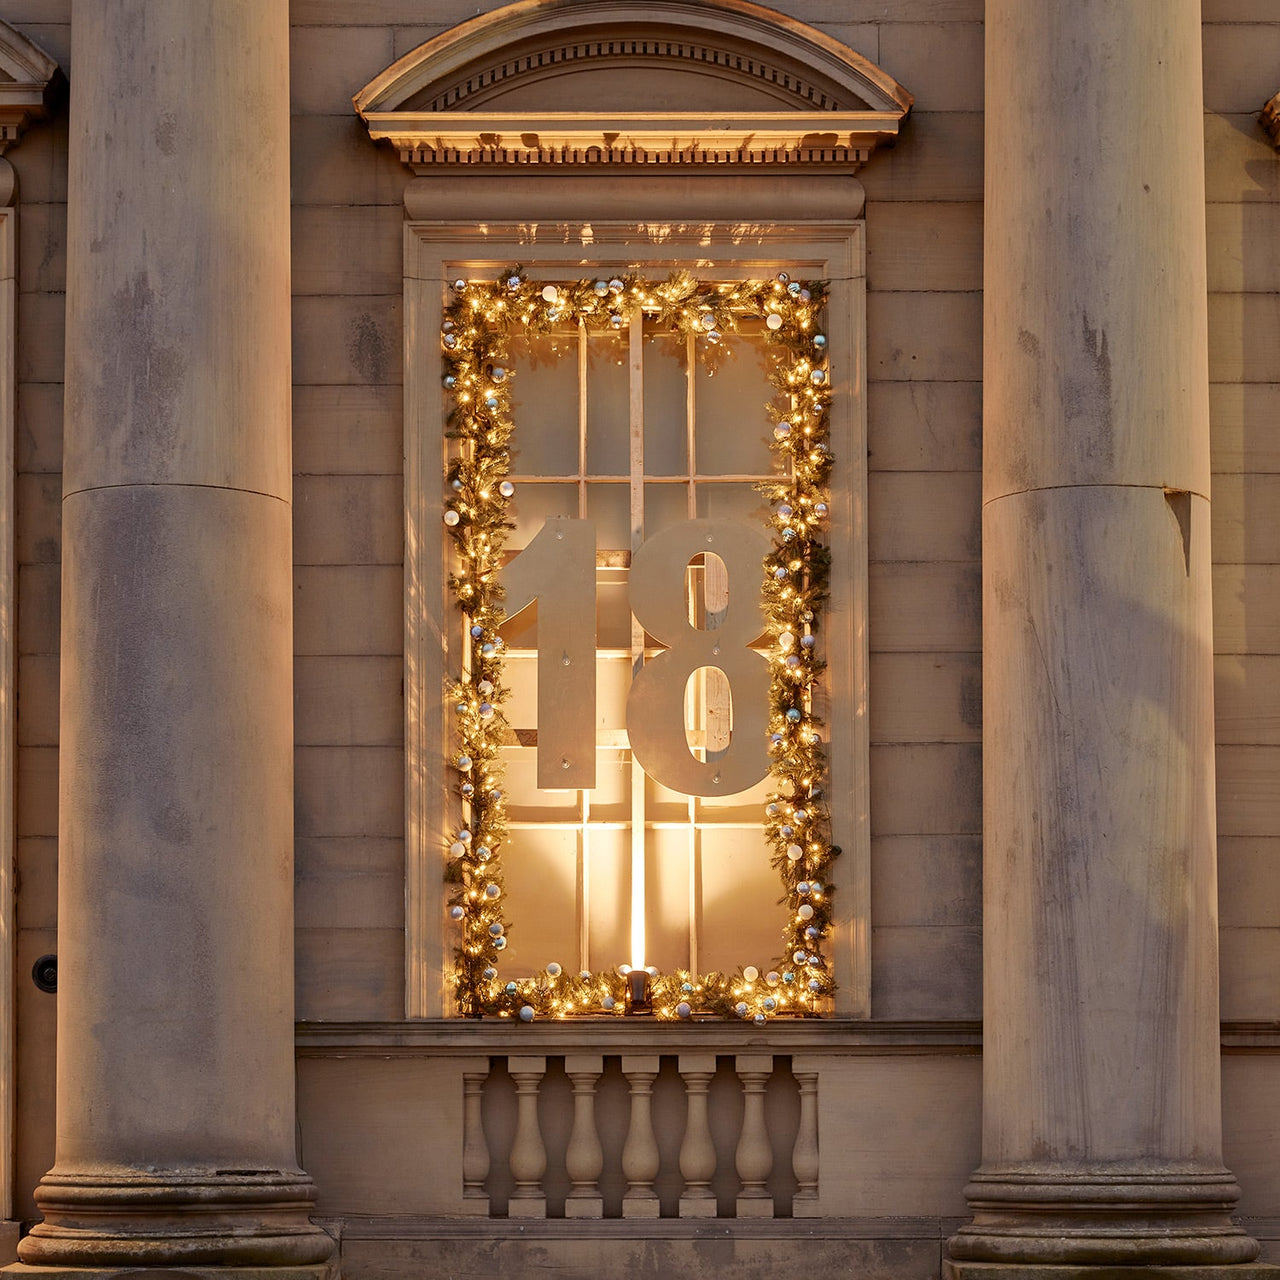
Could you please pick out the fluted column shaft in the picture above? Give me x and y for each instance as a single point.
(175, 1096)
(1101, 1137)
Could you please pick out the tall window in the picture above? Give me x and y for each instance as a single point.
(656, 440)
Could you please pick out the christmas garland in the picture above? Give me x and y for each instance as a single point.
(479, 321)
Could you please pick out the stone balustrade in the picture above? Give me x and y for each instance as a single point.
(640, 1135)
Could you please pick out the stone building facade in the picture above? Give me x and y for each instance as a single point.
(229, 1032)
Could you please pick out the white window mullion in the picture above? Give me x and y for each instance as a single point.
(636, 472)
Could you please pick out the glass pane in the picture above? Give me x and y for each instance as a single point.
(665, 407)
(608, 404)
(544, 404)
(533, 503)
(609, 505)
(611, 799)
(521, 632)
(613, 679)
(664, 504)
(609, 898)
(740, 924)
(732, 429)
(667, 898)
(613, 612)
(541, 872)
(662, 804)
(746, 806)
(521, 708)
(727, 501)
(525, 802)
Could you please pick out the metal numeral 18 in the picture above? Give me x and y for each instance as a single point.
(558, 569)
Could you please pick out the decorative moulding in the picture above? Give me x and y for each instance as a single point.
(556, 83)
(29, 79)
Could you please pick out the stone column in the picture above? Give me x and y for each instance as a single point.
(1101, 1125)
(175, 1098)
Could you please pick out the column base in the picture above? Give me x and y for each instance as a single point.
(174, 1220)
(1143, 1218)
(1104, 1271)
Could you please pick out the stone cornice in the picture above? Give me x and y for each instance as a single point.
(28, 93)
(805, 98)
(449, 1037)
(425, 139)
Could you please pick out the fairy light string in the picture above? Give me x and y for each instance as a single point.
(480, 321)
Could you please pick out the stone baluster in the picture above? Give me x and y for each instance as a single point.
(584, 1159)
(804, 1155)
(755, 1155)
(640, 1152)
(528, 1155)
(475, 1150)
(697, 1152)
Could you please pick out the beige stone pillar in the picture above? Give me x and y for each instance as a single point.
(1101, 1124)
(175, 1098)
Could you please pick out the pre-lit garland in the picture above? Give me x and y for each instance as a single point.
(476, 332)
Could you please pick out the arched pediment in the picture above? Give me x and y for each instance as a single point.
(629, 82)
(28, 79)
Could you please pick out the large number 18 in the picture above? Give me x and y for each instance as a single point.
(558, 569)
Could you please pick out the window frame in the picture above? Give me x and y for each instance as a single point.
(437, 252)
